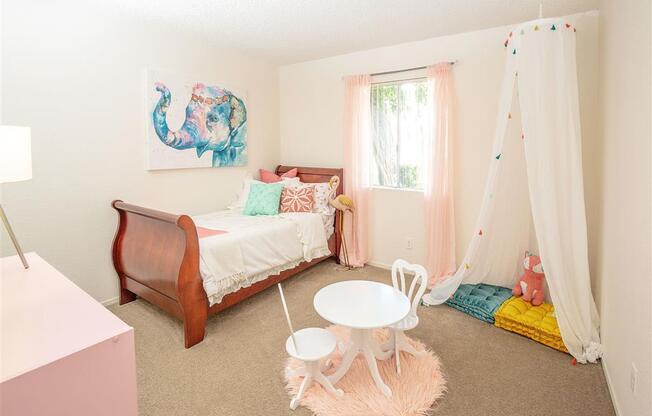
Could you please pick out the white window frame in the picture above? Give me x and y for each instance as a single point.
(397, 79)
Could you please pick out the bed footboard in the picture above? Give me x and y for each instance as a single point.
(156, 257)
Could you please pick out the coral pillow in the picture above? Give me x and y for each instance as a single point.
(270, 177)
(300, 199)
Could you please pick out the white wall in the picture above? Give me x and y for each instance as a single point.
(624, 202)
(311, 124)
(77, 78)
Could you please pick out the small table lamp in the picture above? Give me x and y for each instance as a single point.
(15, 166)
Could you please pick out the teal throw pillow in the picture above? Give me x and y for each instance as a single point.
(263, 199)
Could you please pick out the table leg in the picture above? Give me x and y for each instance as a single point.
(294, 403)
(347, 360)
(373, 368)
(326, 383)
(362, 341)
(379, 352)
(369, 348)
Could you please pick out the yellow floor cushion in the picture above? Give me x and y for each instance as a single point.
(535, 322)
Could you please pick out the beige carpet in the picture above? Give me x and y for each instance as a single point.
(237, 369)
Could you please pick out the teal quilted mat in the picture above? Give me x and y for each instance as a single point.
(479, 300)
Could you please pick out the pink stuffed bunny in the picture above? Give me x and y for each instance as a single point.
(530, 285)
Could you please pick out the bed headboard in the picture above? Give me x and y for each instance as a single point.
(315, 175)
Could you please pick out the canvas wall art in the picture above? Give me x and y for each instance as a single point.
(194, 124)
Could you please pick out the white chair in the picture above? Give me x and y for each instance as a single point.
(398, 341)
(309, 345)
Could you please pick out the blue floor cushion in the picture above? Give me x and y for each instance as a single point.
(479, 300)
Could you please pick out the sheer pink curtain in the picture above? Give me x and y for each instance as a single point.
(357, 150)
(440, 217)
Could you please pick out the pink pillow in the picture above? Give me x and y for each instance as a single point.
(270, 177)
(300, 199)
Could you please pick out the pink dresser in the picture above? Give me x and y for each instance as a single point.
(61, 352)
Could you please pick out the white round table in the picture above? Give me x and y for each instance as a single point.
(362, 306)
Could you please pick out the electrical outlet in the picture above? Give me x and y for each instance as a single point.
(409, 243)
(633, 378)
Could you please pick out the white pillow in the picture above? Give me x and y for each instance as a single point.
(322, 196)
(241, 201)
(291, 182)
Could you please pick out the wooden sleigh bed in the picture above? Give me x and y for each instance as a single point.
(156, 257)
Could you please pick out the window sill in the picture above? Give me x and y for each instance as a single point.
(390, 188)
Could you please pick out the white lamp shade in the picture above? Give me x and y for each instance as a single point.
(15, 154)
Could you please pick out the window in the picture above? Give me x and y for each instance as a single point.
(399, 128)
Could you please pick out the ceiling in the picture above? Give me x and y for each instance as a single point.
(289, 31)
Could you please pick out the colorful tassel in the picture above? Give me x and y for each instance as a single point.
(509, 116)
(514, 52)
(536, 27)
(498, 156)
(480, 232)
(467, 266)
(553, 27)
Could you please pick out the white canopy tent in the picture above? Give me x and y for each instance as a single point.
(534, 198)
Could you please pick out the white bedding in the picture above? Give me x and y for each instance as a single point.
(255, 247)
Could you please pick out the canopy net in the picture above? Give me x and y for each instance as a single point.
(534, 195)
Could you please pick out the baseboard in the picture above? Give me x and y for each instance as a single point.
(607, 377)
(109, 302)
(379, 265)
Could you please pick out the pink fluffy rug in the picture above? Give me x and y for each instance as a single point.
(413, 392)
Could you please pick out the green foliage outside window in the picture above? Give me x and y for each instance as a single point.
(398, 115)
(408, 176)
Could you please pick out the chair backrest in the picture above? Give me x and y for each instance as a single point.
(420, 278)
(287, 317)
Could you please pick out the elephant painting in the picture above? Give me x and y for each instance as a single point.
(216, 121)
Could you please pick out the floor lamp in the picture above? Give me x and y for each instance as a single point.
(15, 166)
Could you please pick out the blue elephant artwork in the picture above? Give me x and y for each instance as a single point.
(212, 132)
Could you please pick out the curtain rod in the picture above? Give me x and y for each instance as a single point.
(404, 70)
